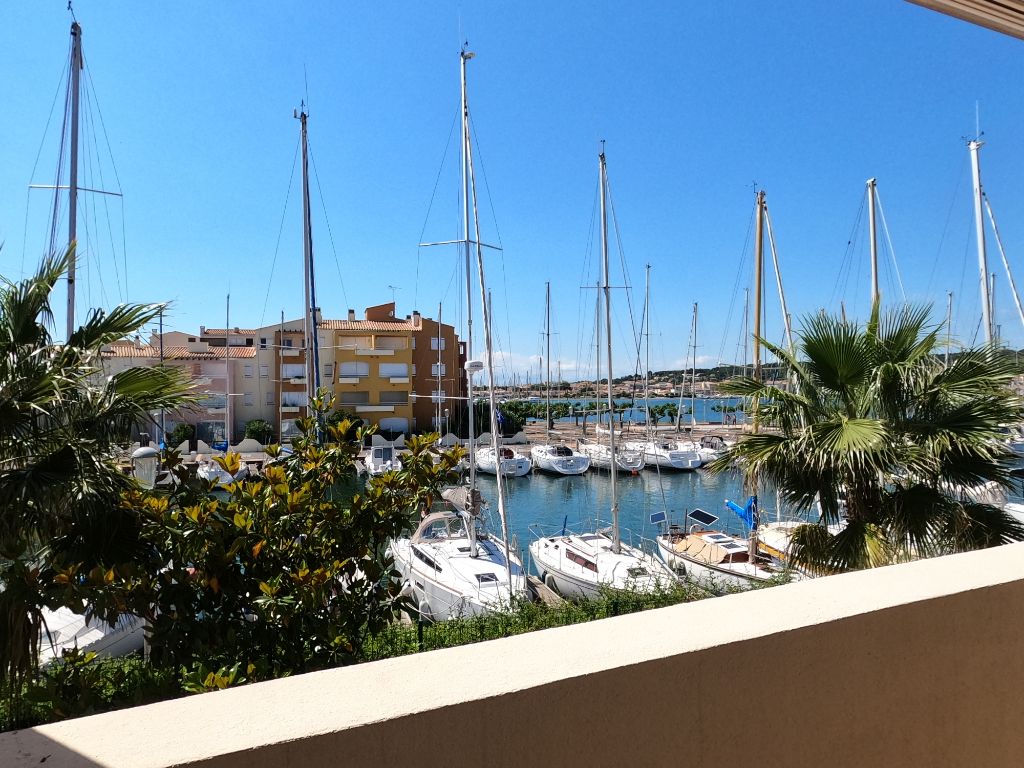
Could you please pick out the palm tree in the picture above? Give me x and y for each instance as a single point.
(886, 439)
(60, 422)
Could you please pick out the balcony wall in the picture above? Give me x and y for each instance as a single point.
(916, 664)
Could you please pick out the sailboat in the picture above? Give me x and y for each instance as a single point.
(452, 567)
(582, 564)
(552, 457)
(657, 452)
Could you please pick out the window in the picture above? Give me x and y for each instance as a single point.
(391, 342)
(394, 398)
(350, 370)
(414, 369)
(197, 369)
(414, 342)
(581, 561)
(292, 399)
(437, 396)
(211, 402)
(248, 371)
(269, 399)
(328, 370)
(387, 370)
(264, 371)
(355, 398)
(286, 343)
(437, 342)
(437, 369)
(249, 399)
(293, 371)
(263, 342)
(355, 342)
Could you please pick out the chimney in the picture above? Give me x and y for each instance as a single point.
(416, 319)
(351, 315)
(202, 330)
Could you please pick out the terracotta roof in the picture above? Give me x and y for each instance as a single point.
(366, 325)
(129, 349)
(217, 353)
(234, 332)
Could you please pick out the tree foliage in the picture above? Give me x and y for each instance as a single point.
(899, 450)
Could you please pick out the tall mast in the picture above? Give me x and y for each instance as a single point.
(280, 365)
(163, 431)
(547, 326)
(597, 352)
(437, 400)
(979, 227)
(76, 68)
(465, 56)
(647, 363)
(873, 235)
(616, 542)
(693, 381)
(227, 372)
(992, 307)
(309, 324)
(758, 269)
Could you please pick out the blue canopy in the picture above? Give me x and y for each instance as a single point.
(747, 514)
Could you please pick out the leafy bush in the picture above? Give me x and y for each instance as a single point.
(259, 430)
(180, 434)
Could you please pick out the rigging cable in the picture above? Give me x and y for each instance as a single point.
(327, 221)
(892, 251)
(430, 205)
(280, 231)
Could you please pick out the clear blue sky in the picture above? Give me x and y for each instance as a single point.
(697, 102)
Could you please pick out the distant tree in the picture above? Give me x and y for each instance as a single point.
(259, 430)
(180, 434)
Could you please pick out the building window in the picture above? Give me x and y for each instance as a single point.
(437, 369)
(355, 398)
(286, 343)
(414, 342)
(328, 370)
(437, 342)
(269, 400)
(292, 399)
(437, 396)
(263, 342)
(414, 369)
(388, 370)
(250, 399)
(354, 369)
(293, 371)
(355, 342)
(391, 342)
(264, 371)
(248, 371)
(394, 398)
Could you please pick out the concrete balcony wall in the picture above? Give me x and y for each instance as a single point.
(916, 664)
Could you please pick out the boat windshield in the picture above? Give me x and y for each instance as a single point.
(561, 450)
(506, 453)
(386, 454)
(445, 528)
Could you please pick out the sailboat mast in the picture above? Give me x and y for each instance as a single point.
(873, 236)
(758, 270)
(437, 400)
(693, 380)
(647, 363)
(616, 541)
(309, 315)
(227, 372)
(465, 56)
(76, 69)
(547, 326)
(979, 228)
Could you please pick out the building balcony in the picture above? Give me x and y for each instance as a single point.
(216, 411)
(290, 408)
(924, 656)
(399, 379)
(372, 408)
(363, 351)
(291, 352)
(349, 380)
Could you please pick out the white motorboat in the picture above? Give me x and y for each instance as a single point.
(512, 464)
(66, 629)
(601, 457)
(581, 565)
(211, 471)
(559, 459)
(712, 557)
(453, 567)
(381, 459)
(666, 454)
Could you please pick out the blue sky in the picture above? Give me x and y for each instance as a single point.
(697, 103)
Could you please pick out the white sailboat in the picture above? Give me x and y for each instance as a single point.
(659, 452)
(555, 458)
(381, 459)
(450, 565)
(511, 463)
(580, 565)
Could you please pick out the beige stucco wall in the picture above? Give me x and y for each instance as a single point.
(918, 664)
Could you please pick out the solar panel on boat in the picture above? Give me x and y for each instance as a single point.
(705, 518)
(720, 537)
